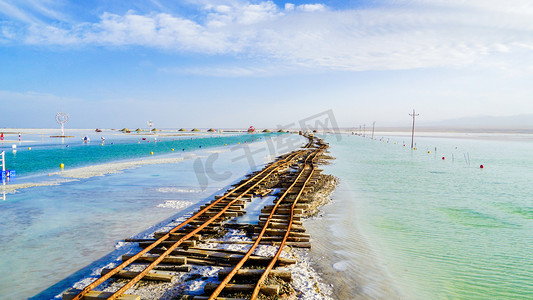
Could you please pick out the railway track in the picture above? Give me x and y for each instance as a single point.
(177, 249)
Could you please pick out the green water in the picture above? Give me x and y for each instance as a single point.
(442, 229)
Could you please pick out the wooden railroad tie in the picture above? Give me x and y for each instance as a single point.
(186, 243)
(174, 260)
(281, 222)
(149, 276)
(279, 217)
(289, 205)
(282, 210)
(176, 236)
(242, 288)
(96, 295)
(255, 273)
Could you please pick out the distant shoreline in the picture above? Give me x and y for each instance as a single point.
(11, 130)
(456, 130)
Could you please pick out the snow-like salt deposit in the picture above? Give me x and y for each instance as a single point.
(177, 190)
(305, 280)
(175, 204)
(111, 168)
(217, 151)
(11, 188)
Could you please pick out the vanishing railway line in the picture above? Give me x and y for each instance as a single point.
(279, 225)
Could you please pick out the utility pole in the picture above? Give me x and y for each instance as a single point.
(413, 131)
(373, 126)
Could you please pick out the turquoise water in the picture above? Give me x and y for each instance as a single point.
(438, 229)
(53, 236)
(47, 154)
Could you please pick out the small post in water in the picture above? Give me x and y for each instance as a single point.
(3, 172)
(3, 161)
(413, 131)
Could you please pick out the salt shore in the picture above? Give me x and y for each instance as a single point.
(112, 168)
(92, 171)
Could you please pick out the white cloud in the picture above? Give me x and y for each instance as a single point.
(15, 12)
(405, 35)
(250, 70)
(289, 6)
(243, 14)
(311, 7)
(31, 11)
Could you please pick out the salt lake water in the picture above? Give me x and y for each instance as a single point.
(403, 224)
(428, 223)
(47, 153)
(50, 235)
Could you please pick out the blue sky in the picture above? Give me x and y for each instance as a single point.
(233, 63)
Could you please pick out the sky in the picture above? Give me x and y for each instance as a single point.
(236, 63)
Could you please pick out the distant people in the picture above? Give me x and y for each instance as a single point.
(103, 139)
(20, 137)
(1, 136)
(86, 139)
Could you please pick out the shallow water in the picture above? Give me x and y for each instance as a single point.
(47, 153)
(423, 227)
(48, 233)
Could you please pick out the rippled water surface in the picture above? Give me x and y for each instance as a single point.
(429, 223)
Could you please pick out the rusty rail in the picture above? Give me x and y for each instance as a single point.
(268, 171)
(238, 266)
(282, 244)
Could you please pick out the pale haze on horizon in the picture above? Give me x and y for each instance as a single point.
(233, 63)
